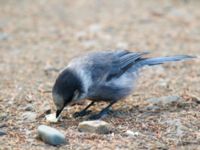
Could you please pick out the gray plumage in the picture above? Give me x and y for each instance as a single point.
(102, 76)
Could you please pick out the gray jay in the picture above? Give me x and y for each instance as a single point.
(107, 76)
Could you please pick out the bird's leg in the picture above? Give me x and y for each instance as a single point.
(84, 111)
(101, 113)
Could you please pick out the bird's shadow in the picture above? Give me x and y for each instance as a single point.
(153, 110)
(132, 112)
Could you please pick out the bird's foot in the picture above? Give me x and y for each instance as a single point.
(95, 117)
(98, 116)
(81, 113)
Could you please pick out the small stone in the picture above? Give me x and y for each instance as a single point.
(3, 116)
(29, 107)
(164, 100)
(163, 83)
(50, 135)
(46, 108)
(2, 125)
(177, 129)
(159, 145)
(29, 116)
(195, 98)
(122, 45)
(51, 118)
(81, 34)
(152, 108)
(89, 43)
(131, 133)
(2, 133)
(94, 28)
(96, 126)
(48, 69)
(4, 36)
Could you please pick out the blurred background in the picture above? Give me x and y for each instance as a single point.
(39, 37)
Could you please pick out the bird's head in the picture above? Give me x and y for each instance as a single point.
(67, 86)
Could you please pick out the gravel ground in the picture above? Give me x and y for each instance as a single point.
(38, 38)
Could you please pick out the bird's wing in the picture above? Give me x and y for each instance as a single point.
(111, 64)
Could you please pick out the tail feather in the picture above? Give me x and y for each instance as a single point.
(161, 60)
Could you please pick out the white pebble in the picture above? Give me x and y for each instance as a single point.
(52, 118)
(131, 133)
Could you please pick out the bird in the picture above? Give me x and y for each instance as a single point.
(107, 76)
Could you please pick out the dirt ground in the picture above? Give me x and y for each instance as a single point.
(38, 38)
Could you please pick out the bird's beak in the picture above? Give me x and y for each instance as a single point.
(58, 112)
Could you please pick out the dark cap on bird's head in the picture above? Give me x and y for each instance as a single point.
(64, 89)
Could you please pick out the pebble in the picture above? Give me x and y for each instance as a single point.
(51, 135)
(2, 133)
(29, 107)
(3, 116)
(164, 100)
(89, 43)
(46, 108)
(159, 145)
(52, 118)
(29, 116)
(4, 36)
(152, 107)
(177, 129)
(131, 133)
(122, 45)
(94, 28)
(2, 125)
(96, 126)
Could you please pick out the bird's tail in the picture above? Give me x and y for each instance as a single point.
(161, 60)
